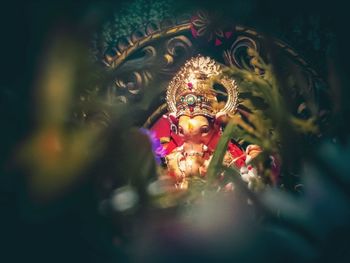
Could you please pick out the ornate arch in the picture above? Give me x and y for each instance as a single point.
(151, 55)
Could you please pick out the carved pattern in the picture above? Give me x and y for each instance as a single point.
(157, 51)
(136, 73)
(129, 87)
(237, 55)
(178, 50)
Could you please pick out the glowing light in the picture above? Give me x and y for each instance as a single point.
(124, 198)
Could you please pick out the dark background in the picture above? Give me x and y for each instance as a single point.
(58, 233)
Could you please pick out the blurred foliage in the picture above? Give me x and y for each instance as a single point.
(262, 125)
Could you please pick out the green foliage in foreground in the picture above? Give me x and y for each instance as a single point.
(107, 177)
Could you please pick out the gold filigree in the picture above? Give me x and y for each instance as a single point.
(190, 92)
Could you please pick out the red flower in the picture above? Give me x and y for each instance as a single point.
(204, 26)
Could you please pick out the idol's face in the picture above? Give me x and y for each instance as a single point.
(197, 129)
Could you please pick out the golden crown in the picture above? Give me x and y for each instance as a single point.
(191, 91)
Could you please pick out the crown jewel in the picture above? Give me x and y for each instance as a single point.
(190, 92)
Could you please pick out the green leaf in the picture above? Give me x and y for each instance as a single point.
(218, 156)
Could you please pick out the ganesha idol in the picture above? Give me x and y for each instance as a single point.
(192, 128)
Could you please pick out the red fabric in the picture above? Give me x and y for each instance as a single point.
(162, 129)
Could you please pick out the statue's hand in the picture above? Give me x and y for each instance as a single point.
(173, 161)
(252, 151)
